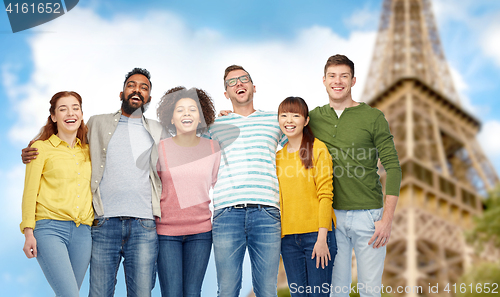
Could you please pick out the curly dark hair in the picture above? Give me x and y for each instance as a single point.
(167, 103)
(142, 71)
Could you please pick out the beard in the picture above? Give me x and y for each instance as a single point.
(129, 109)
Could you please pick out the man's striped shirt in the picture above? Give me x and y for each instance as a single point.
(247, 172)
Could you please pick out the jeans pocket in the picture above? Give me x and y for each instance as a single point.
(98, 223)
(147, 224)
(332, 244)
(219, 212)
(42, 223)
(375, 214)
(273, 212)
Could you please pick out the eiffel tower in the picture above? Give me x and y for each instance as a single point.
(445, 171)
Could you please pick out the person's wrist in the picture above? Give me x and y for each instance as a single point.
(321, 240)
(28, 232)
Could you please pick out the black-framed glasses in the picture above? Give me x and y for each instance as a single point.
(232, 81)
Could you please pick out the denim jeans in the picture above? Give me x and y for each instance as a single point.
(304, 279)
(182, 263)
(133, 239)
(63, 254)
(354, 230)
(236, 229)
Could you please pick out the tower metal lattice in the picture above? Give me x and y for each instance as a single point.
(445, 171)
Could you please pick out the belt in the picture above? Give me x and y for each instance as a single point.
(246, 205)
(96, 221)
(125, 218)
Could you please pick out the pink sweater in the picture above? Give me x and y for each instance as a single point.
(186, 173)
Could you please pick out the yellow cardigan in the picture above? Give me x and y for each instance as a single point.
(57, 184)
(306, 195)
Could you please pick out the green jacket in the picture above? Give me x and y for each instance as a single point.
(356, 141)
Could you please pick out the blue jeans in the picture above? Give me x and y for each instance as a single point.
(63, 254)
(133, 239)
(182, 263)
(236, 229)
(354, 230)
(304, 279)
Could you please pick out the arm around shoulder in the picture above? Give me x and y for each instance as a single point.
(29, 153)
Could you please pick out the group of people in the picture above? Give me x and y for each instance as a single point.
(128, 188)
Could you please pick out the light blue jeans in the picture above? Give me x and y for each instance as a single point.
(133, 239)
(63, 254)
(236, 229)
(354, 230)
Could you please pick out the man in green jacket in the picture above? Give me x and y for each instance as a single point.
(357, 136)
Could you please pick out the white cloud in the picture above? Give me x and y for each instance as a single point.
(482, 22)
(458, 80)
(91, 55)
(448, 10)
(489, 140)
(490, 40)
(362, 19)
(462, 87)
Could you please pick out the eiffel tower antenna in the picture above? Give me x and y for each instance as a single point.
(445, 171)
(408, 45)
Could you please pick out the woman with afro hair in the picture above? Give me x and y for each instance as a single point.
(188, 165)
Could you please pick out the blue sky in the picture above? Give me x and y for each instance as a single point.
(284, 45)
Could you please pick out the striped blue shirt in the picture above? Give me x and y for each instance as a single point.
(247, 172)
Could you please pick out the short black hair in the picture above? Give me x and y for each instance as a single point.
(142, 71)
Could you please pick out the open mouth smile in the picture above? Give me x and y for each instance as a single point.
(136, 99)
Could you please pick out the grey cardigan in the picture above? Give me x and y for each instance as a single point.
(101, 128)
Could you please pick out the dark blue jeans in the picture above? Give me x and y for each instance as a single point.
(304, 279)
(133, 239)
(182, 263)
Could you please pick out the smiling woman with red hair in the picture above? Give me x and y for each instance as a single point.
(57, 202)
